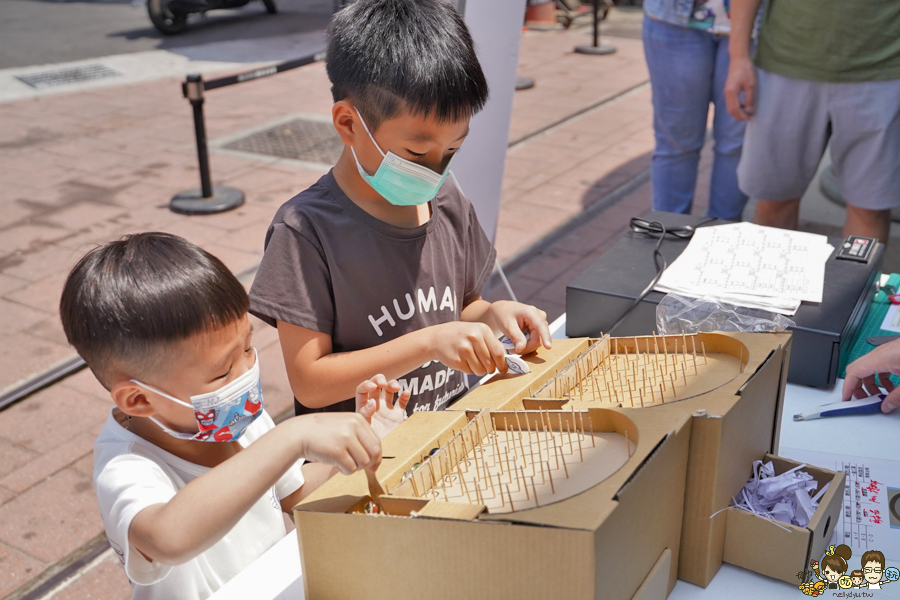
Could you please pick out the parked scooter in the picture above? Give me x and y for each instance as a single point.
(170, 16)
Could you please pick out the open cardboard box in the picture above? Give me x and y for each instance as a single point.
(617, 540)
(784, 550)
(733, 425)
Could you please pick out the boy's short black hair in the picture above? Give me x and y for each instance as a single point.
(125, 301)
(387, 55)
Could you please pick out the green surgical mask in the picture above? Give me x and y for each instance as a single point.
(399, 181)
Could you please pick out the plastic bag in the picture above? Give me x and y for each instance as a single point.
(675, 314)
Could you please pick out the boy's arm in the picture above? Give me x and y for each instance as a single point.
(314, 475)
(514, 320)
(320, 378)
(209, 506)
(740, 86)
(382, 413)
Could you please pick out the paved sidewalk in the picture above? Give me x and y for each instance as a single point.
(87, 167)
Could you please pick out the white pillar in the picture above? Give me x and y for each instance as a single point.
(496, 27)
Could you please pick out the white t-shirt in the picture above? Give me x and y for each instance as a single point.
(131, 474)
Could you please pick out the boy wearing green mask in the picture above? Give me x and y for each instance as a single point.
(379, 266)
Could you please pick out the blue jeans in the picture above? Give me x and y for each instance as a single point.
(688, 68)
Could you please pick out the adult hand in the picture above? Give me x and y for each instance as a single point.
(740, 87)
(515, 319)
(866, 373)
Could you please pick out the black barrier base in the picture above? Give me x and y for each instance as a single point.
(602, 49)
(524, 83)
(192, 202)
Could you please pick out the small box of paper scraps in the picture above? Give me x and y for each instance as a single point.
(783, 517)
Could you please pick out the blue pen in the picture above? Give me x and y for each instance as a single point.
(866, 406)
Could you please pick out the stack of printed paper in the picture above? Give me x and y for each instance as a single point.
(750, 265)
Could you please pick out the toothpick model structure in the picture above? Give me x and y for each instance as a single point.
(642, 371)
(516, 460)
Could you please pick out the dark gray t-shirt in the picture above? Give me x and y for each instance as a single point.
(331, 267)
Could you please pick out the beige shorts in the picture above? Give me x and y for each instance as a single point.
(795, 119)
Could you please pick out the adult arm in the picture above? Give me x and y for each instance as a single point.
(740, 86)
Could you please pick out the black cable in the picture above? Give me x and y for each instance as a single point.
(639, 225)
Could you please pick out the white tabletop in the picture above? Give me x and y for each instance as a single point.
(276, 574)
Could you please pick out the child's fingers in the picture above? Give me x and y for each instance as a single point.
(472, 363)
(498, 355)
(362, 393)
(515, 334)
(543, 329)
(363, 452)
(367, 410)
(403, 399)
(485, 355)
(393, 387)
(378, 394)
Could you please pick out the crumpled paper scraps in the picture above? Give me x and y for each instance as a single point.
(789, 497)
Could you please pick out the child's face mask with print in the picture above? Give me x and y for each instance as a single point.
(224, 414)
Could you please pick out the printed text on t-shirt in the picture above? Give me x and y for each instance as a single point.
(424, 303)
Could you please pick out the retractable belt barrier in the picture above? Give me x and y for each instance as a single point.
(208, 199)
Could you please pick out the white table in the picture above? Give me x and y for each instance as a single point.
(276, 574)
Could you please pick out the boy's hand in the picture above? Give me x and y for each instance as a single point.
(375, 402)
(516, 319)
(344, 440)
(468, 347)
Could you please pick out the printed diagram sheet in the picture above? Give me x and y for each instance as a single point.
(870, 517)
(750, 265)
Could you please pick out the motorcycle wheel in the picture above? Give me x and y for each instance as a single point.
(270, 6)
(164, 19)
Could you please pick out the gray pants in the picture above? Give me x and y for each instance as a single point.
(794, 120)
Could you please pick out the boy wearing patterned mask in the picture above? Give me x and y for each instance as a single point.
(192, 475)
(379, 266)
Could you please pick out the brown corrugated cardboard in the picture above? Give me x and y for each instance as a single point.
(783, 550)
(497, 392)
(733, 424)
(626, 525)
(602, 543)
(656, 585)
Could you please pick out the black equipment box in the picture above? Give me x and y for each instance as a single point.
(603, 292)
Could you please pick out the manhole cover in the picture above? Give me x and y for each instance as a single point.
(298, 139)
(46, 79)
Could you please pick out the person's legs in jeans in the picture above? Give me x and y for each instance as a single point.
(726, 200)
(681, 62)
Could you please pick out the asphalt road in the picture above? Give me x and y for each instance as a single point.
(36, 32)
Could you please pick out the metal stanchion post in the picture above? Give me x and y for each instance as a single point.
(207, 199)
(596, 47)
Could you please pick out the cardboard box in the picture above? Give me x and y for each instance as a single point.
(784, 550)
(733, 425)
(606, 542)
(501, 391)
